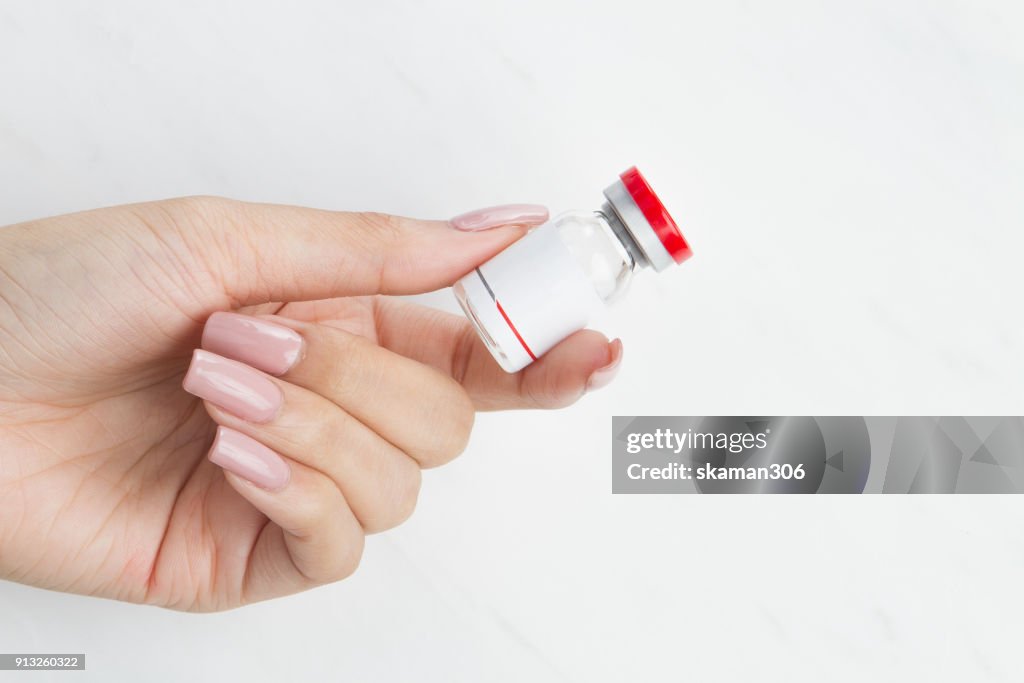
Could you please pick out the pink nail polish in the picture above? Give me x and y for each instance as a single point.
(233, 386)
(249, 459)
(604, 375)
(270, 347)
(495, 216)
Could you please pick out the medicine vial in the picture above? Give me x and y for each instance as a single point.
(550, 282)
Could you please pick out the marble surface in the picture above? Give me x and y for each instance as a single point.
(850, 177)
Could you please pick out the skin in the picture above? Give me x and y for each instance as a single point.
(104, 485)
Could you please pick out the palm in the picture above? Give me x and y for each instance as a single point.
(144, 517)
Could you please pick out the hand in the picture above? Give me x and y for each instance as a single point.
(321, 410)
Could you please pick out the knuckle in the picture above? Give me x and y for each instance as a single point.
(213, 230)
(405, 493)
(203, 204)
(317, 504)
(376, 232)
(465, 416)
(335, 431)
(347, 558)
(307, 425)
(320, 430)
(393, 485)
(380, 233)
(206, 215)
(316, 513)
(453, 431)
(345, 366)
(383, 225)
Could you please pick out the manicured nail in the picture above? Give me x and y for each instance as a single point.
(233, 386)
(603, 375)
(257, 342)
(249, 459)
(495, 216)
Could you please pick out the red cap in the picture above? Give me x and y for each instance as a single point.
(656, 214)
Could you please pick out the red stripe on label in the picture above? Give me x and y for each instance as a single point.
(514, 330)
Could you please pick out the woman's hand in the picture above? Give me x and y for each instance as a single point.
(321, 410)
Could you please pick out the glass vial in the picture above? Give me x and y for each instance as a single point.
(549, 283)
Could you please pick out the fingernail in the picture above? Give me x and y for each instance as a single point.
(260, 343)
(604, 375)
(495, 216)
(249, 459)
(233, 386)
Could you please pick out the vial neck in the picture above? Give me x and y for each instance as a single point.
(619, 228)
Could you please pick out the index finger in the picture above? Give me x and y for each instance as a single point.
(255, 253)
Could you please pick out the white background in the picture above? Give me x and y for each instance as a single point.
(850, 176)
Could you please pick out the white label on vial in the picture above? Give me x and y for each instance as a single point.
(541, 290)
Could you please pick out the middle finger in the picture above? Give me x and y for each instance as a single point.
(423, 412)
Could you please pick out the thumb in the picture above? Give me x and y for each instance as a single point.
(268, 252)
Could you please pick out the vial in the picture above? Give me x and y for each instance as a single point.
(549, 283)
